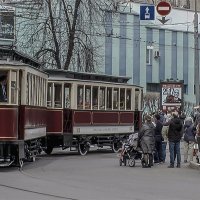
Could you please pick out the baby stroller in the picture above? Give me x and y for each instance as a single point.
(130, 151)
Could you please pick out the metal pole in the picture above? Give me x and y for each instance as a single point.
(196, 55)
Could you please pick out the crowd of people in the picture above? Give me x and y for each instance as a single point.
(160, 129)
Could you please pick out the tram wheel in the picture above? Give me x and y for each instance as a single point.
(83, 148)
(116, 146)
(48, 150)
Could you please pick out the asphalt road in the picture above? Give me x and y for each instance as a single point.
(96, 176)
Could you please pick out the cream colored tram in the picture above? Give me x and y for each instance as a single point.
(87, 109)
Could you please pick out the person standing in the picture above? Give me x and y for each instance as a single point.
(175, 133)
(158, 158)
(165, 129)
(189, 139)
(147, 141)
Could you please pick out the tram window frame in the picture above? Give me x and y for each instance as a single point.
(27, 88)
(88, 95)
(80, 96)
(122, 98)
(115, 98)
(13, 87)
(95, 97)
(137, 96)
(109, 98)
(31, 88)
(44, 92)
(57, 95)
(67, 95)
(128, 98)
(50, 95)
(5, 74)
(102, 98)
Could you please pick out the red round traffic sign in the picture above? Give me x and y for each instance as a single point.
(163, 8)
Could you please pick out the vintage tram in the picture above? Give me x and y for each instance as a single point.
(86, 109)
(23, 89)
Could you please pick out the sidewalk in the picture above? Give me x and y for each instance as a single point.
(194, 165)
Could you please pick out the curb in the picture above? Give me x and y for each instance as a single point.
(194, 165)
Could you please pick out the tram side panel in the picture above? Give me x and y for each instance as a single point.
(101, 128)
(102, 123)
(8, 123)
(8, 134)
(32, 129)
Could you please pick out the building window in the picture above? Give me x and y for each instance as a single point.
(153, 87)
(148, 56)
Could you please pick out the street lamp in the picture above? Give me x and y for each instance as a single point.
(196, 55)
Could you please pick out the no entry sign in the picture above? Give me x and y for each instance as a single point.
(163, 8)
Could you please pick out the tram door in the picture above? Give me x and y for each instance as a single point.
(67, 116)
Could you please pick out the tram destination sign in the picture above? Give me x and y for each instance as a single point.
(163, 8)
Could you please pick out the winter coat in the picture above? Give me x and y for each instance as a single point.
(158, 131)
(175, 131)
(165, 129)
(147, 137)
(189, 132)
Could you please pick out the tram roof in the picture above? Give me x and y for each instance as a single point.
(11, 54)
(63, 74)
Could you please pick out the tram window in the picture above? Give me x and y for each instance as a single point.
(95, 97)
(57, 95)
(49, 95)
(27, 89)
(67, 90)
(122, 99)
(30, 90)
(13, 87)
(109, 98)
(128, 99)
(3, 87)
(102, 98)
(34, 90)
(141, 103)
(137, 92)
(116, 98)
(80, 97)
(87, 97)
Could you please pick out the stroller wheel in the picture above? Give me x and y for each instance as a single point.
(131, 162)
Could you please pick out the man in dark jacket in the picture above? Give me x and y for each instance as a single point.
(174, 136)
(147, 141)
(158, 140)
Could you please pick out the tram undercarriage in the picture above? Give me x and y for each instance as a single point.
(16, 152)
(82, 143)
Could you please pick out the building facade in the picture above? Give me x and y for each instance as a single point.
(149, 51)
(185, 4)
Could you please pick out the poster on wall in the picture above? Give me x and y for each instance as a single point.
(171, 94)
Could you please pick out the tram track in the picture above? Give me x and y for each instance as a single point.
(33, 191)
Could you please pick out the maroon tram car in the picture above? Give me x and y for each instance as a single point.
(85, 109)
(22, 110)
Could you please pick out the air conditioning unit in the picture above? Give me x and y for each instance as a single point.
(156, 54)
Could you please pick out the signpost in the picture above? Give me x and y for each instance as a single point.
(147, 12)
(163, 8)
